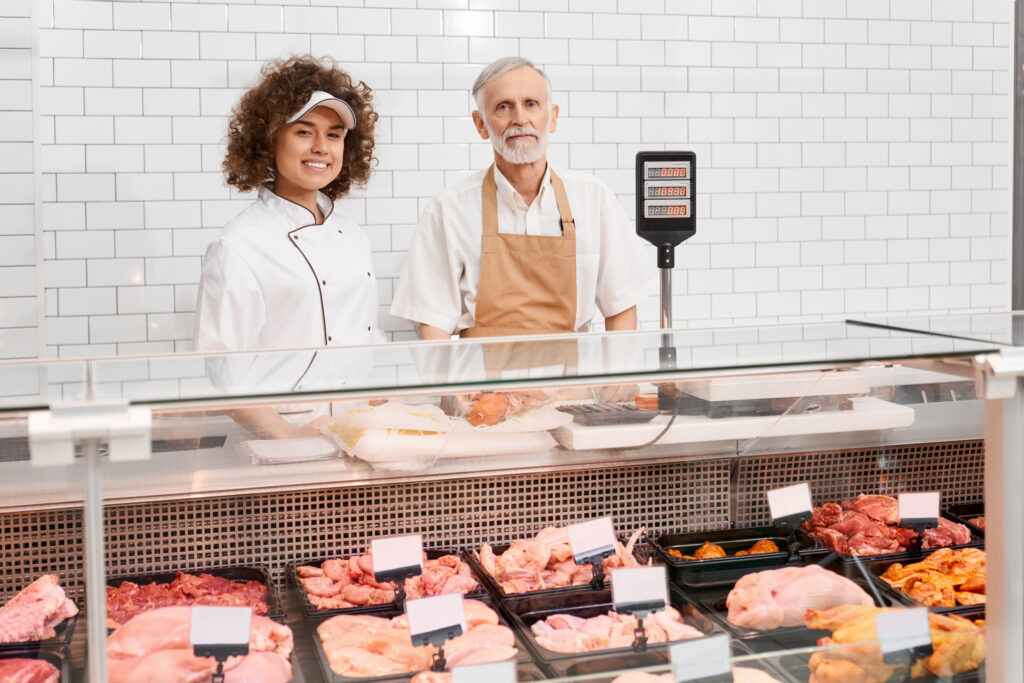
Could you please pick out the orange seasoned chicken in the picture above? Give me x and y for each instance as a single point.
(945, 578)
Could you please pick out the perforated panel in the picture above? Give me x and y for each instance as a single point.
(957, 469)
(273, 530)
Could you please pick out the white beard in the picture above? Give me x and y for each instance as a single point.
(522, 152)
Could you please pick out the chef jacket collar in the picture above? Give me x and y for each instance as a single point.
(296, 216)
(512, 197)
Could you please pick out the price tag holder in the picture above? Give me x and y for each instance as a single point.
(702, 658)
(436, 619)
(903, 629)
(592, 541)
(220, 632)
(639, 591)
(790, 505)
(397, 558)
(493, 672)
(919, 511)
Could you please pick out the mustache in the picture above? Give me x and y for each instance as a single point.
(520, 130)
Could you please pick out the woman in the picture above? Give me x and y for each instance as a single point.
(288, 271)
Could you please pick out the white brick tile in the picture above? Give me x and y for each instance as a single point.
(569, 25)
(82, 72)
(929, 274)
(616, 78)
(930, 178)
(167, 158)
(56, 216)
(145, 300)
(575, 78)
(67, 330)
(486, 50)
(144, 186)
(865, 251)
(173, 270)
(910, 57)
(972, 82)
(75, 187)
(311, 20)
(843, 277)
(273, 45)
(969, 273)
(908, 298)
(114, 215)
(83, 14)
(22, 342)
(117, 328)
(907, 251)
(141, 243)
(61, 43)
(140, 16)
(928, 226)
(968, 177)
(520, 24)
(778, 204)
(197, 186)
(169, 326)
(113, 44)
(16, 157)
(912, 106)
(733, 305)
(19, 250)
(192, 242)
(185, 298)
(686, 53)
(442, 49)
(992, 296)
(641, 52)
(891, 178)
(712, 29)
(586, 156)
(845, 130)
(85, 244)
(214, 45)
(343, 48)
(582, 51)
(170, 45)
(84, 129)
(801, 130)
(364, 21)
(196, 129)
(715, 280)
(888, 130)
(467, 23)
(87, 301)
(142, 129)
(972, 34)
(910, 154)
(60, 101)
(68, 273)
(888, 80)
(113, 101)
(243, 18)
(18, 281)
(867, 56)
(824, 56)
(391, 49)
(845, 179)
(113, 158)
(148, 73)
(779, 55)
(16, 188)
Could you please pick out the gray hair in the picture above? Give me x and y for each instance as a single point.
(501, 66)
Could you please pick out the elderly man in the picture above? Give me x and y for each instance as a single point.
(518, 249)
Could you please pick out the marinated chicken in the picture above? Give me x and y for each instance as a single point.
(339, 584)
(978, 522)
(568, 633)
(546, 561)
(363, 646)
(869, 526)
(710, 550)
(958, 646)
(778, 598)
(946, 578)
(129, 599)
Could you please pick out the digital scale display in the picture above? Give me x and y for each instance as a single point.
(665, 186)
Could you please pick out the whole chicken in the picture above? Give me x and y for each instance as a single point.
(780, 597)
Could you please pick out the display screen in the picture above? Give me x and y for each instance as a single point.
(681, 210)
(668, 172)
(656, 191)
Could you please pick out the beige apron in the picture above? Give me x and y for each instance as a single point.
(527, 286)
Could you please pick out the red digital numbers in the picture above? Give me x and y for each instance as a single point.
(668, 172)
(667, 191)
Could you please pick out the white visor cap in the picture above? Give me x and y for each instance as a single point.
(326, 99)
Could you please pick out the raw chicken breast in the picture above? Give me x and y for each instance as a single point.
(780, 597)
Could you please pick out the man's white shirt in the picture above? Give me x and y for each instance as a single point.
(439, 282)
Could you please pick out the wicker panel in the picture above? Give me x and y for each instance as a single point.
(273, 530)
(956, 468)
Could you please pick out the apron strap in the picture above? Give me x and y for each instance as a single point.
(568, 224)
(490, 202)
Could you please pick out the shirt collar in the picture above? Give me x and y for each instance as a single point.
(295, 216)
(508, 194)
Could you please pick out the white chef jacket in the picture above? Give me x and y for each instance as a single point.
(442, 269)
(275, 279)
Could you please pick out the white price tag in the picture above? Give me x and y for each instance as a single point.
(903, 629)
(919, 505)
(220, 626)
(641, 589)
(397, 552)
(493, 672)
(790, 500)
(436, 618)
(701, 657)
(595, 536)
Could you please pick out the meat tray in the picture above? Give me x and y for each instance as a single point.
(712, 602)
(312, 610)
(58, 658)
(472, 556)
(725, 570)
(963, 513)
(524, 612)
(875, 571)
(975, 542)
(796, 665)
(237, 574)
(527, 668)
(64, 631)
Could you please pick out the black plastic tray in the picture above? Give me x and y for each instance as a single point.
(875, 571)
(275, 610)
(963, 513)
(388, 612)
(726, 570)
(472, 556)
(712, 601)
(524, 612)
(58, 658)
(312, 610)
(976, 541)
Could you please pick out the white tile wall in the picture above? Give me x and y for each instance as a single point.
(852, 154)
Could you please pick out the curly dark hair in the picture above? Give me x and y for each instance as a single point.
(285, 85)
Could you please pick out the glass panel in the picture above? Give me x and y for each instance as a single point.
(1000, 328)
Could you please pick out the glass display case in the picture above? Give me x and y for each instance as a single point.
(282, 468)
